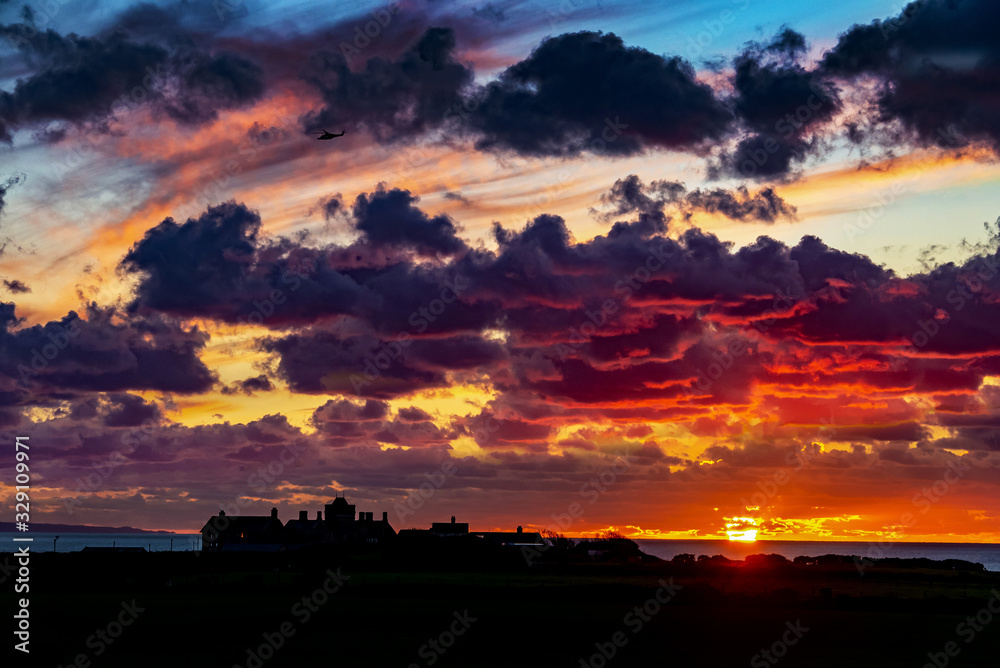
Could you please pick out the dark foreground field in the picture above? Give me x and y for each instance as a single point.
(469, 609)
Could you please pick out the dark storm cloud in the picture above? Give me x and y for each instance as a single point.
(587, 91)
(16, 286)
(129, 410)
(217, 266)
(320, 362)
(212, 82)
(191, 267)
(392, 99)
(341, 423)
(630, 195)
(951, 309)
(9, 183)
(634, 314)
(332, 206)
(145, 59)
(938, 65)
(389, 217)
(781, 104)
(103, 354)
(907, 431)
(250, 386)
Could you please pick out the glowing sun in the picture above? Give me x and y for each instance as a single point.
(742, 529)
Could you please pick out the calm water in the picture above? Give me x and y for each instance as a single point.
(984, 553)
(74, 542)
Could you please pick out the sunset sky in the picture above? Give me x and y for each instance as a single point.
(675, 263)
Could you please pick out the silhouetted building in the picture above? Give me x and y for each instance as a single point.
(221, 531)
(455, 529)
(305, 530)
(450, 528)
(336, 524)
(519, 537)
(339, 515)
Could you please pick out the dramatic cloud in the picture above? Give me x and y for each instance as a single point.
(390, 98)
(144, 60)
(630, 195)
(396, 330)
(103, 354)
(250, 386)
(588, 92)
(8, 184)
(937, 64)
(389, 217)
(781, 104)
(16, 286)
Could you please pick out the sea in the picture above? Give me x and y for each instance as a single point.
(987, 554)
(74, 542)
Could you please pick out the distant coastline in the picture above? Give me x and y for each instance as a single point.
(8, 527)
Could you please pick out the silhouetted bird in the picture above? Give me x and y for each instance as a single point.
(329, 135)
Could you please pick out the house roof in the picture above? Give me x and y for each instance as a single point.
(305, 525)
(243, 522)
(524, 538)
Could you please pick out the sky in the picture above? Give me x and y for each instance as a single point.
(667, 269)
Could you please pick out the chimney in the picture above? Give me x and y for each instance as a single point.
(303, 515)
(519, 530)
(452, 519)
(371, 517)
(222, 513)
(319, 514)
(385, 516)
(274, 513)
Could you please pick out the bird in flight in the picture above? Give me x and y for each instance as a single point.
(329, 135)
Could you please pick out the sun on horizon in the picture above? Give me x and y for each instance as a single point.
(742, 529)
